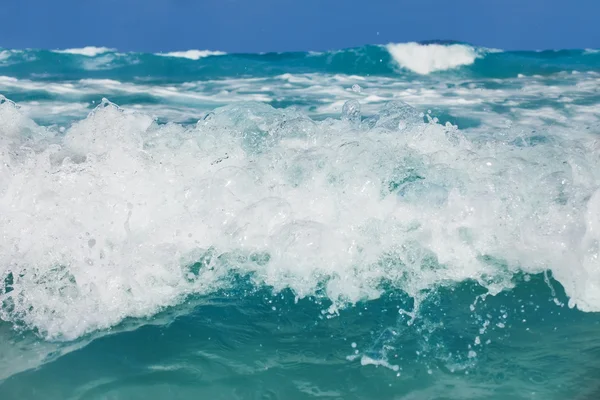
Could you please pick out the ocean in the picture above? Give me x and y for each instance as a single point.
(408, 221)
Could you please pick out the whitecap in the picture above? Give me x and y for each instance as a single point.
(424, 59)
(88, 51)
(192, 54)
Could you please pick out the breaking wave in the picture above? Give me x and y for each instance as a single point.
(119, 216)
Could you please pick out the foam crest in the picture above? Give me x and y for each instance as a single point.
(5, 55)
(426, 58)
(121, 217)
(88, 51)
(192, 54)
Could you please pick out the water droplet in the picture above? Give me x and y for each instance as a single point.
(351, 111)
(356, 88)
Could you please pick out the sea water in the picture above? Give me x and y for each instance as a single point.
(410, 221)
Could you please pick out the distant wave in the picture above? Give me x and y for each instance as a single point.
(390, 60)
(89, 51)
(426, 58)
(192, 54)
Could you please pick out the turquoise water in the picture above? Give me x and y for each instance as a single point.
(411, 221)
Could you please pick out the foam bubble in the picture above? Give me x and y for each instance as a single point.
(121, 217)
(365, 360)
(424, 59)
(192, 54)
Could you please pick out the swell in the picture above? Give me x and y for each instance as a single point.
(367, 60)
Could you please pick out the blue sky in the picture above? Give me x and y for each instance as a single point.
(287, 25)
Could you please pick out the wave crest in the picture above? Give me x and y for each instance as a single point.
(88, 51)
(426, 58)
(192, 54)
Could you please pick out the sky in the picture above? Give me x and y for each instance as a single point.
(295, 25)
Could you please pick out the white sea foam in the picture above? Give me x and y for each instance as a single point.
(426, 58)
(88, 51)
(366, 360)
(107, 87)
(327, 93)
(102, 62)
(48, 109)
(4, 55)
(192, 54)
(104, 221)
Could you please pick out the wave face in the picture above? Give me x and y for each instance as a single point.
(423, 219)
